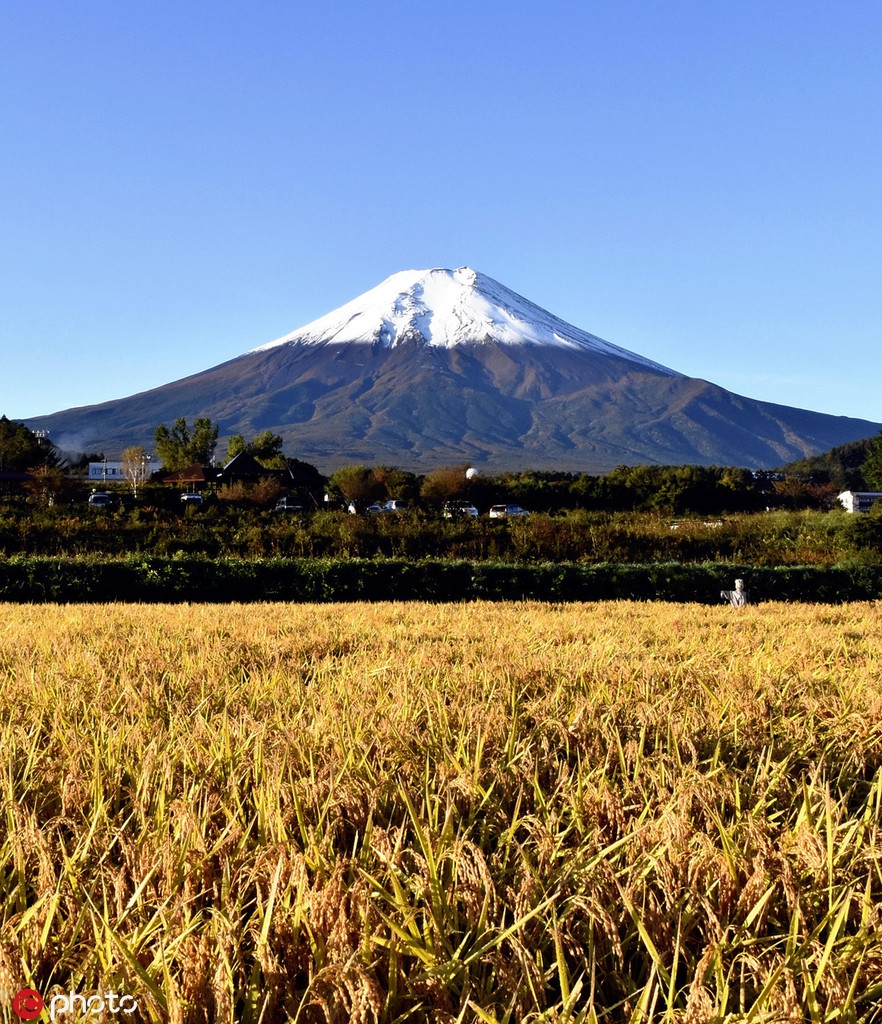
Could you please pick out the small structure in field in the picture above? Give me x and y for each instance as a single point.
(737, 597)
(859, 501)
(193, 476)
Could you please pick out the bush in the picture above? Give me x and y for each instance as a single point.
(198, 579)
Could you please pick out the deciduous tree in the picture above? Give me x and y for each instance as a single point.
(357, 484)
(266, 448)
(235, 446)
(180, 447)
(444, 484)
(135, 467)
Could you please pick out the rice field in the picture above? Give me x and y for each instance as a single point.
(614, 812)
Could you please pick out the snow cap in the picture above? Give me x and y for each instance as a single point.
(447, 308)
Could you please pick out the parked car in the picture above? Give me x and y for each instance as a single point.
(191, 498)
(99, 499)
(459, 508)
(288, 504)
(374, 509)
(504, 511)
(395, 505)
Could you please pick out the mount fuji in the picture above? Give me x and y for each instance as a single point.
(434, 367)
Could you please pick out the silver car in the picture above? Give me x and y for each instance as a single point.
(459, 508)
(506, 511)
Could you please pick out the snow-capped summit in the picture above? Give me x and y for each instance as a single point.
(445, 308)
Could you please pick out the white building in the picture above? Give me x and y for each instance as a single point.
(859, 501)
(112, 471)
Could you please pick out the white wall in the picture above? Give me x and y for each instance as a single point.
(97, 470)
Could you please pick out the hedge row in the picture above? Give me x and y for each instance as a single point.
(228, 579)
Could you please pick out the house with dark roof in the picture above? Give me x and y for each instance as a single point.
(298, 478)
(245, 469)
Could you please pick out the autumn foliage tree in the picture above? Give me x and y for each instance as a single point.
(357, 484)
(444, 484)
(135, 467)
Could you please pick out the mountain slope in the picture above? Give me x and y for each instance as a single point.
(434, 367)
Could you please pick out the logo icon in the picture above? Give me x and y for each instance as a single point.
(28, 1004)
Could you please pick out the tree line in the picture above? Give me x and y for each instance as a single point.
(676, 490)
(671, 490)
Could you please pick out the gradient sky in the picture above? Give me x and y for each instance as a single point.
(695, 180)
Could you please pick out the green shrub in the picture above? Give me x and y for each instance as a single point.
(188, 578)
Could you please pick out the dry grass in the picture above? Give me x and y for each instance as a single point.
(606, 812)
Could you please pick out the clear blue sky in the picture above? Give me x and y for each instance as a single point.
(695, 180)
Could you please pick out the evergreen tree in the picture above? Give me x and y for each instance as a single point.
(872, 467)
(20, 448)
